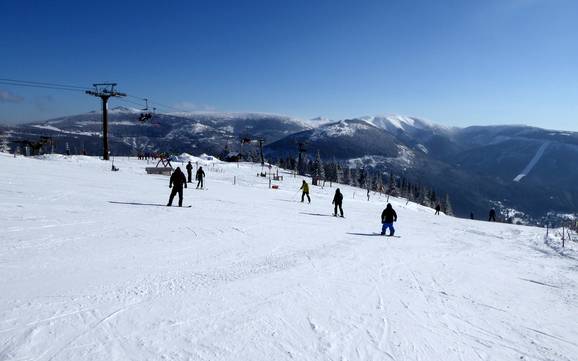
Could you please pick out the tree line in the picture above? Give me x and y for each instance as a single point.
(387, 183)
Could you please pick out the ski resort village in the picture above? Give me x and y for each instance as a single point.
(95, 266)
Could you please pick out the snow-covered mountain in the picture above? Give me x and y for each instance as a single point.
(94, 266)
(518, 167)
(196, 132)
(344, 139)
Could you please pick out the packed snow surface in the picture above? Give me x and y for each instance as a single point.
(93, 266)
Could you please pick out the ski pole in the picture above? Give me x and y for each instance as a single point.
(296, 194)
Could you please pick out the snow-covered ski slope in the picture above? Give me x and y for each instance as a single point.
(93, 266)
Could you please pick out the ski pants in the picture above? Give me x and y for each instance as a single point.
(492, 218)
(303, 196)
(340, 209)
(189, 176)
(174, 192)
(200, 182)
(385, 226)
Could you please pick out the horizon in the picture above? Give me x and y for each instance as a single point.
(312, 120)
(465, 64)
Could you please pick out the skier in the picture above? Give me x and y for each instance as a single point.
(178, 180)
(199, 177)
(492, 215)
(471, 215)
(388, 216)
(338, 201)
(305, 188)
(189, 172)
(438, 210)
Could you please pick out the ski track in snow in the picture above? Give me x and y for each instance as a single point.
(243, 275)
(533, 162)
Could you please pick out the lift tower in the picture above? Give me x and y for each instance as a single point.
(105, 91)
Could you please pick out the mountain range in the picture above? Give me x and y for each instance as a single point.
(525, 172)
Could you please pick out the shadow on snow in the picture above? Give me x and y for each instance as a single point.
(139, 204)
(317, 214)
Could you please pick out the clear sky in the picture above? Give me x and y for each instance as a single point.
(454, 62)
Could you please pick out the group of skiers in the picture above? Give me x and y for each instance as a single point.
(178, 181)
(388, 216)
(492, 217)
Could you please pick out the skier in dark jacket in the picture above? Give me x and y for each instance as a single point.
(438, 208)
(338, 201)
(176, 183)
(305, 189)
(199, 177)
(189, 172)
(492, 215)
(388, 216)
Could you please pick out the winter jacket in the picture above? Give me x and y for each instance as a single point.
(338, 198)
(189, 167)
(200, 174)
(388, 215)
(305, 188)
(178, 179)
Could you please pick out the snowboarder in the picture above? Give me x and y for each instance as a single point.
(189, 172)
(492, 215)
(338, 201)
(305, 189)
(388, 216)
(177, 180)
(199, 177)
(438, 208)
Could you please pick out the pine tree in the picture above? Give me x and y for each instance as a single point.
(353, 177)
(361, 174)
(318, 170)
(433, 197)
(448, 206)
(338, 173)
(4, 144)
(424, 197)
(392, 188)
(346, 175)
(379, 183)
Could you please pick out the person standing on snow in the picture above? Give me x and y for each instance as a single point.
(338, 201)
(492, 215)
(388, 216)
(305, 188)
(438, 208)
(176, 183)
(189, 172)
(199, 177)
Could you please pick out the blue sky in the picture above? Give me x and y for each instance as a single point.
(453, 62)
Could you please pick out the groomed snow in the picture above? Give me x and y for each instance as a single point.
(93, 266)
(535, 159)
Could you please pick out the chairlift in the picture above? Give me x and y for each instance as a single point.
(146, 114)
